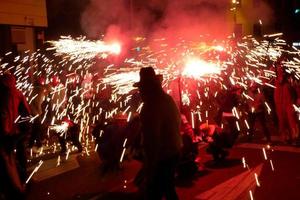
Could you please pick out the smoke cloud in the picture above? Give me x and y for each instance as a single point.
(100, 14)
(156, 18)
(193, 18)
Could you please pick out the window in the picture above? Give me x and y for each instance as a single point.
(18, 35)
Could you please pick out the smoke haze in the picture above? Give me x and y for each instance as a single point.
(155, 18)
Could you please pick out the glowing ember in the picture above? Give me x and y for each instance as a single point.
(196, 68)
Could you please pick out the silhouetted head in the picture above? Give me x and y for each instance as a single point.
(148, 78)
(149, 83)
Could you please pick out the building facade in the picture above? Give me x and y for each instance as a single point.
(259, 17)
(251, 17)
(22, 25)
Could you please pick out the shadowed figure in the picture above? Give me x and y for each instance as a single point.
(38, 96)
(256, 112)
(227, 101)
(218, 140)
(110, 138)
(13, 106)
(160, 125)
(284, 100)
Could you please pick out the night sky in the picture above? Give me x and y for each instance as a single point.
(64, 16)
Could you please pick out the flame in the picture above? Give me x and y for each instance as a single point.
(196, 68)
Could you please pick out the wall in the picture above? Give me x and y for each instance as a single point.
(20, 22)
(23, 12)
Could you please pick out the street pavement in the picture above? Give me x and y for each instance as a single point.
(252, 171)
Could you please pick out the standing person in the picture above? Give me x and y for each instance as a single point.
(284, 100)
(37, 98)
(160, 125)
(256, 112)
(297, 89)
(13, 105)
(227, 101)
(110, 138)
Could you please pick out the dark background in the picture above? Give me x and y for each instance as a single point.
(64, 15)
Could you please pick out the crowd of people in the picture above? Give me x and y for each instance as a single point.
(160, 136)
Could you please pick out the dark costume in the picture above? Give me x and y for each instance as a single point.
(227, 100)
(256, 112)
(37, 98)
(284, 100)
(13, 106)
(218, 140)
(162, 143)
(110, 139)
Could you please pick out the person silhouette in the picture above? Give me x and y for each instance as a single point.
(160, 125)
(13, 106)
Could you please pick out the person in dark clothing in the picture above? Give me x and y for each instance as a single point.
(13, 106)
(133, 134)
(284, 98)
(110, 138)
(256, 112)
(187, 166)
(227, 101)
(218, 140)
(160, 126)
(37, 98)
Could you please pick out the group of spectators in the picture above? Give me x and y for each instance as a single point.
(170, 144)
(161, 136)
(24, 125)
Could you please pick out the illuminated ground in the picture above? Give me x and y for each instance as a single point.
(226, 181)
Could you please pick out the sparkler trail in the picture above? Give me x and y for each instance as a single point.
(81, 48)
(79, 80)
(34, 171)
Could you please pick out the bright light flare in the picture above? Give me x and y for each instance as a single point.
(83, 48)
(196, 68)
(62, 128)
(115, 48)
(219, 48)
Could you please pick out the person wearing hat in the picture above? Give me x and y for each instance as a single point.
(160, 125)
